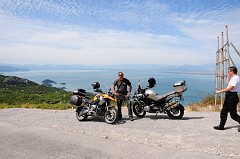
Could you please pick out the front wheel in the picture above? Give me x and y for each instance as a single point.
(80, 114)
(138, 110)
(176, 113)
(111, 115)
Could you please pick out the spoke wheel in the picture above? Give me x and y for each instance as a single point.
(138, 110)
(81, 116)
(176, 113)
(111, 115)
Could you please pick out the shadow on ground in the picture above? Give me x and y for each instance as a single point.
(165, 117)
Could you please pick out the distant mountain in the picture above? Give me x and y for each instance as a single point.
(130, 66)
(208, 68)
(11, 69)
(54, 67)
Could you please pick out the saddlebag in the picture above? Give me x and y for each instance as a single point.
(76, 100)
(180, 86)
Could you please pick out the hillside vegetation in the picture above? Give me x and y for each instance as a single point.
(19, 92)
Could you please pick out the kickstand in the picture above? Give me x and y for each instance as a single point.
(156, 115)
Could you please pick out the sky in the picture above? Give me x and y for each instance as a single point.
(102, 32)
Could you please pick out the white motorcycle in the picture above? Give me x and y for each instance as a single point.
(146, 100)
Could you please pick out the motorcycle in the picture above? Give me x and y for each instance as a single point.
(98, 106)
(146, 100)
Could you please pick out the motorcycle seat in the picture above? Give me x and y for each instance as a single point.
(163, 96)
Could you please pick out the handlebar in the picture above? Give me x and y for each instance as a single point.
(98, 90)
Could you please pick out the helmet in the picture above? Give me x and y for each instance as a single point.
(150, 94)
(151, 82)
(96, 85)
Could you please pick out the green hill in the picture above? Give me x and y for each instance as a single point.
(19, 92)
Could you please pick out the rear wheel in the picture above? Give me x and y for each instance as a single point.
(138, 110)
(176, 113)
(111, 115)
(81, 116)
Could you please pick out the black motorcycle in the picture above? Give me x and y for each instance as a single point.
(146, 100)
(100, 105)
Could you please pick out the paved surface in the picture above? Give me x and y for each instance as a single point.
(33, 133)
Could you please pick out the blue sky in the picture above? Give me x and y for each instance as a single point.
(95, 32)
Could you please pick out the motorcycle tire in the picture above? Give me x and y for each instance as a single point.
(79, 114)
(111, 115)
(176, 113)
(138, 110)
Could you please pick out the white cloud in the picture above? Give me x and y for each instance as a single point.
(190, 39)
(204, 29)
(86, 47)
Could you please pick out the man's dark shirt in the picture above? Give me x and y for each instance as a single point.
(122, 85)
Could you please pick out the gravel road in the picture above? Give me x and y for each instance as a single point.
(41, 134)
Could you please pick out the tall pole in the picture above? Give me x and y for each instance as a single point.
(227, 48)
(217, 71)
(222, 76)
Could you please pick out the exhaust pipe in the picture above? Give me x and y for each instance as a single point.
(171, 105)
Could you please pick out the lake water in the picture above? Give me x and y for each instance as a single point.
(198, 85)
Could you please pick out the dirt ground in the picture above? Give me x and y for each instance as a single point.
(35, 133)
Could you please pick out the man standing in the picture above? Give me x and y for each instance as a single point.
(231, 98)
(122, 94)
